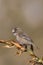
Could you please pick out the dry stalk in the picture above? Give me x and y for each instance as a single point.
(11, 43)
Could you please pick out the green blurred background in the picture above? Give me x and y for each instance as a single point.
(26, 14)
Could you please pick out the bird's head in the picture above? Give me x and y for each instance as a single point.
(16, 30)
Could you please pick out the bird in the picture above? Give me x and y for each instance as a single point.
(23, 39)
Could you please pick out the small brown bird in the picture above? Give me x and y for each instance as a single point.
(23, 39)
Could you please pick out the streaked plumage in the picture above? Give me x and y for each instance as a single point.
(23, 38)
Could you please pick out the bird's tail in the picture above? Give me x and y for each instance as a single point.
(35, 46)
(32, 46)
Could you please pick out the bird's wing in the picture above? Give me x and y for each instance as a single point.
(26, 37)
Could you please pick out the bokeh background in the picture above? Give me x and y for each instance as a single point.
(26, 14)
